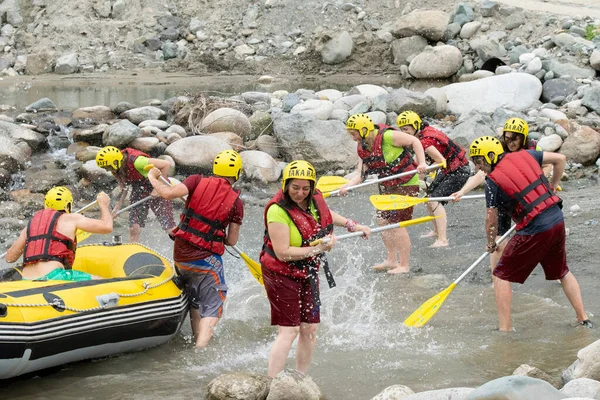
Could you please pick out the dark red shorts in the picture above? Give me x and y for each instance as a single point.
(162, 208)
(395, 216)
(291, 300)
(523, 253)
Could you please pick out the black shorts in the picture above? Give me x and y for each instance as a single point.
(445, 184)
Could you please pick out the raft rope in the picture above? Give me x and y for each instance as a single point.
(56, 303)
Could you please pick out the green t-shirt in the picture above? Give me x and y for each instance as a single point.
(279, 215)
(140, 163)
(391, 152)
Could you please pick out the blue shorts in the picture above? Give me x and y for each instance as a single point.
(205, 285)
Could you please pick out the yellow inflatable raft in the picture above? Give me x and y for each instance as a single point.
(49, 323)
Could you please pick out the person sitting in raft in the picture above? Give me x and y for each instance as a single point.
(294, 218)
(48, 242)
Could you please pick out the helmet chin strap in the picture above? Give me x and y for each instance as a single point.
(363, 143)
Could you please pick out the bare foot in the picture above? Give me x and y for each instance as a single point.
(384, 266)
(399, 270)
(439, 243)
(429, 234)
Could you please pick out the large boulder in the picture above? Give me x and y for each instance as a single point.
(516, 91)
(196, 152)
(516, 388)
(98, 176)
(405, 48)
(326, 144)
(470, 126)
(587, 364)
(591, 99)
(337, 49)
(394, 392)
(318, 109)
(405, 100)
(120, 134)
(238, 385)
(140, 114)
(582, 145)
(582, 387)
(436, 62)
(101, 113)
(429, 23)
(19, 134)
(260, 166)
(227, 120)
(441, 394)
(564, 68)
(292, 385)
(370, 92)
(561, 87)
(44, 180)
(347, 103)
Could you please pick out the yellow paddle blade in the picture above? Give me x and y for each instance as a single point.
(254, 268)
(330, 183)
(82, 235)
(395, 202)
(428, 309)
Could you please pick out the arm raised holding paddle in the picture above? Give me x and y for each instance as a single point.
(383, 150)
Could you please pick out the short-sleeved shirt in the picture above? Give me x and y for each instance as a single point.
(391, 152)
(276, 213)
(140, 163)
(497, 198)
(184, 251)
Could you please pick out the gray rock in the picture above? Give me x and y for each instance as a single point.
(452, 30)
(318, 109)
(44, 104)
(558, 87)
(256, 97)
(169, 50)
(268, 144)
(595, 59)
(67, 64)
(591, 99)
(488, 8)
(514, 21)
(140, 114)
(533, 372)
(564, 68)
(101, 113)
(349, 102)
(118, 8)
(577, 31)
(406, 47)
(436, 62)
(39, 63)
(516, 52)
(227, 120)
(196, 152)
(325, 144)
(120, 134)
(44, 180)
(261, 124)
(169, 34)
(169, 21)
(289, 101)
(337, 49)
(292, 385)
(121, 107)
(516, 388)
(429, 24)
(404, 100)
(469, 29)
(394, 392)
(195, 25)
(441, 394)
(582, 387)
(582, 146)
(563, 39)
(486, 48)
(470, 126)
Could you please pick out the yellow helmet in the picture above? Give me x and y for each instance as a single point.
(409, 118)
(481, 147)
(298, 169)
(228, 163)
(109, 156)
(59, 198)
(360, 122)
(517, 125)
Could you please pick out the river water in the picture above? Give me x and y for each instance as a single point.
(362, 345)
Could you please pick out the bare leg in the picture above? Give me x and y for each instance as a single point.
(281, 348)
(391, 242)
(503, 294)
(440, 223)
(434, 232)
(134, 233)
(306, 346)
(571, 289)
(495, 256)
(402, 243)
(203, 328)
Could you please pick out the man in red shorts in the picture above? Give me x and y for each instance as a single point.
(516, 183)
(211, 219)
(383, 150)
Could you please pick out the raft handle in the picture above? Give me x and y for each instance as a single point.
(108, 300)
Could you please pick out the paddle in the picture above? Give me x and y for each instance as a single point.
(331, 182)
(397, 225)
(428, 309)
(82, 209)
(398, 202)
(253, 266)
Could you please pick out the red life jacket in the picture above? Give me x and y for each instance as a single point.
(310, 230)
(127, 173)
(45, 243)
(375, 162)
(520, 176)
(203, 221)
(454, 154)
